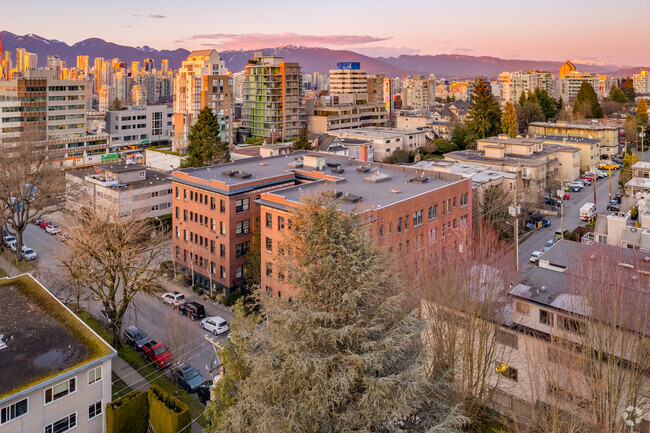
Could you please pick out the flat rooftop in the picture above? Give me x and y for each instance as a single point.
(375, 132)
(641, 165)
(590, 126)
(375, 185)
(511, 141)
(572, 140)
(43, 337)
(121, 167)
(476, 156)
(479, 174)
(152, 177)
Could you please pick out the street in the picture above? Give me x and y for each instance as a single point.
(536, 240)
(184, 337)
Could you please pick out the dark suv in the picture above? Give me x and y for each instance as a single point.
(192, 309)
(135, 337)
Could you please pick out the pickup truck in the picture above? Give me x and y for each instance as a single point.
(157, 352)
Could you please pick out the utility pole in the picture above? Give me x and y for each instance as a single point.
(642, 136)
(595, 177)
(514, 211)
(560, 193)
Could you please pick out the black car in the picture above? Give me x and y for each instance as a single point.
(188, 377)
(192, 309)
(613, 205)
(204, 391)
(135, 337)
(618, 161)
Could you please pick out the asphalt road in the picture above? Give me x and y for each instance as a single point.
(184, 337)
(537, 240)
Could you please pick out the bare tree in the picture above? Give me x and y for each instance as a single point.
(30, 186)
(68, 291)
(114, 260)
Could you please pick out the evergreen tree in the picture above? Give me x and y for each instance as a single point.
(302, 143)
(460, 137)
(559, 105)
(586, 103)
(522, 98)
(627, 87)
(116, 105)
(546, 103)
(617, 95)
(642, 113)
(345, 353)
(206, 147)
(509, 120)
(484, 113)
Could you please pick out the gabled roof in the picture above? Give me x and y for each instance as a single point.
(201, 53)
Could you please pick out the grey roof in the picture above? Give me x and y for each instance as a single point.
(152, 177)
(601, 224)
(509, 140)
(120, 167)
(562, 138)
(592, 126)
(541, 286)
(509, 159)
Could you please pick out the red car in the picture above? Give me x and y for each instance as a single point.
(588, 176)
(157, 352)
(566, 196)
(45, 223)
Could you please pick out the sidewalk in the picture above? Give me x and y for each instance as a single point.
(128, 375)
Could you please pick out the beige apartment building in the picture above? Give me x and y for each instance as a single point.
(202, 81)
(56, 371)
(532, 158)
(386, 140)
(418, 92)
(589, 148)
(513, 83)
(121, 190)
(607, 134)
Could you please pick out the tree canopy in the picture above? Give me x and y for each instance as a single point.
(302, 143)
(586, 103)
(460, 137)
(617, 95)
(345, 353)
(642, 112)
(627, 86)
(206, 147)
(484, 116)
(509, 120)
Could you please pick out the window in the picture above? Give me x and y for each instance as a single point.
(62, 425)
(242, 205)
(281, 223)
(269, 244)
(222, 251)
(432, 236)
(239, 271)
(213, 205)
(269, 220)
(399, 225)
(463, 199)
(417, 218)
(269, 290)
(178, 232)
(213, 247)
(222, 206)
(185, 212)
(571, 325)
(507, 371)
(213, 225)
(269, 269)
(546, 317)
(522, 308)
(178, 193)
(185, 194)
(507, 339)
(381, 231)
(242, 227)
(95, 375)
(433, 212)
(463, 221)
(223, 273)
(60, 390)
(406, 222)
(444, 207)
(178, 212)
(14, 411)
(449, 205)
(192, 195)
(94, 410)
(222, 228)
(454, 202)
(242, 249)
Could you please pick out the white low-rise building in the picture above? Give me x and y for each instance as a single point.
(140, 126)
(385, 141)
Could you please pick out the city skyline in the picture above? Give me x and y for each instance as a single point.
(504, 29)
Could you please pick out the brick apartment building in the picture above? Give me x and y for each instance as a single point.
(410, 211)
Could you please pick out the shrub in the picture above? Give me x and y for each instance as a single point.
(167, 414)
(232, 298)
(129, 414)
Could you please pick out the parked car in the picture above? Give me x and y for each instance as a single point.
(552, 201)
(174, 299)
(157, 352)
(546, 223)
(192, 309)
(135, 337)
(601, 174)
(203, 392)
(13, 247)
(549, 244)
(188, 377)
(105, 316)
(44, 223)
(535, 256)
(588, 177)
(617, 160)
(565, 196)
(216, 325)
(63, 237)
(52, 229)
(614, 205)
(28, 253)
(8, 240)
(558, 234)
(576, 185)
(608, 166)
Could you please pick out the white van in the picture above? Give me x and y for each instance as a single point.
(587, 211)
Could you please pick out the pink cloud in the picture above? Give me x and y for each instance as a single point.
(262, 40)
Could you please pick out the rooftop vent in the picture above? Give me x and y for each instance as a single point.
(377, 177)
(296, 163)
(263, 163)
(333, 164)
(364, 169)
(419, 179)
(237, 173)
(395, 191)
(338, 170)
(351, 198)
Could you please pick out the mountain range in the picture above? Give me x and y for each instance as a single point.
(311, 59)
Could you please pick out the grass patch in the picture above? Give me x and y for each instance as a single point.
(3, 273)
(94, 324)
(155, 376)
(22, 266)
(119, 388)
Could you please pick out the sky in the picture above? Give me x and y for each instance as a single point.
(589, 30)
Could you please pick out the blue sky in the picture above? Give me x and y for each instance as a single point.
(595, 30)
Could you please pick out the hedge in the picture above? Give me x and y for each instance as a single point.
(167, 413)
(129, 414)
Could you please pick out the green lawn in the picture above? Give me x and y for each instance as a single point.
(152, 374)
(22, 266)
(118, 388)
